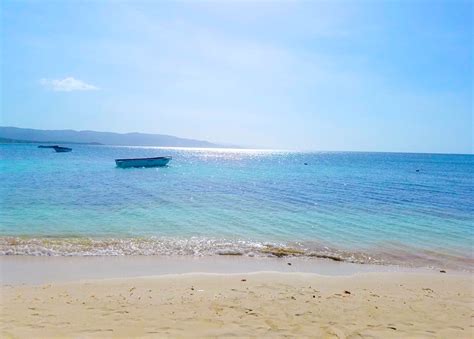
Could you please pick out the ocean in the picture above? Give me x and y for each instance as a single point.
(379, 208)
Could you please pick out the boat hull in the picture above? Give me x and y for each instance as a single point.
(143, 162)
(62, 149)
(47, 146)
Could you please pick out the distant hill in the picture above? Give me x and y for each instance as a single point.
(16, 141)
(15, 134)
(13, 141)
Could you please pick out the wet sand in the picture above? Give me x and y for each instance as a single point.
(39, 270)
(379, 304)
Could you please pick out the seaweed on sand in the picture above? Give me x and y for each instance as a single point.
(282, 251)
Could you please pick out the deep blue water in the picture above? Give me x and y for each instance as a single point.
(368, 207)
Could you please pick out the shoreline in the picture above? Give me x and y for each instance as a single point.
(276, 304)
(169, 247)
(39, 270)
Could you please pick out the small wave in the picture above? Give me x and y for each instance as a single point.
(123, 246)
(200, 246)
(194, 246)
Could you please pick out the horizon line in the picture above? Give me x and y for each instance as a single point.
(231, 146)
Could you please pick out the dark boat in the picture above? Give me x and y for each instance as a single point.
(143, 162)
(61, 149)
(47, 146)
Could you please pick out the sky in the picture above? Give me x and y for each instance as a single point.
(306, 75)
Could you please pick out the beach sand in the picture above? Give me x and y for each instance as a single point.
(270, 304)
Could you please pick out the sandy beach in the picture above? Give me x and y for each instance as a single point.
(236, 169)
(264, 304)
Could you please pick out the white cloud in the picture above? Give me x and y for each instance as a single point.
(68, 84)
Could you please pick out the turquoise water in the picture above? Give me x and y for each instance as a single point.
(361, 207)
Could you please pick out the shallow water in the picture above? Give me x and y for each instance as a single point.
(360, 207)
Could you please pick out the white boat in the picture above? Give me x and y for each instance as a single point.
(143, 162)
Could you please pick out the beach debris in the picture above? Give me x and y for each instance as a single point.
(229, 252)
(244, 280)
(250, 311)
(292, 297)
(289, 264)
(442, 271)
(282, 251)
(347, 292)
(306, 163)
(325, 256)
(392, 328)
(133, 288)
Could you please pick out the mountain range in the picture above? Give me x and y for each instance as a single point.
(15, 134)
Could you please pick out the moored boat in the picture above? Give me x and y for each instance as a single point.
(143, 162)
(61, 149)
(47, 146)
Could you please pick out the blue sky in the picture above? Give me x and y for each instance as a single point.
(332, 75)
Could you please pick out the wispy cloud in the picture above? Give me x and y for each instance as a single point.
(68, 84)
